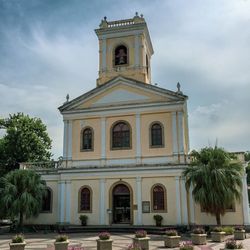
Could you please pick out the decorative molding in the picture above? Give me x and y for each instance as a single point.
(174, 133)
(139, 199)
(178, 200)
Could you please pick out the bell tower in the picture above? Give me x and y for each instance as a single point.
(125, 49)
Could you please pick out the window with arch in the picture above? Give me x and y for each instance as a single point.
(121, 136)
(85, 199)
(156, 135)
(159, 201)
(87, 139)
(47, 201)
(121, 55)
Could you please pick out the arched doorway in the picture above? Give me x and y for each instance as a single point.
(121, 204)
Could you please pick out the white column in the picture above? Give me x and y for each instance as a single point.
(178, 203)
(245, 200)
(191, 205)
(184, 202)
(103, 140)
(174, 133)
(65, 132)
(137, 50)
(104, 53)
(138, 138)
(180, 132)
(139, 200)
(61, 200)
(68, 200)
(102, 206)
(69, 156)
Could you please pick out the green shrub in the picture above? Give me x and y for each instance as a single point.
(228, 230)
(217, 229)
(198, 230)
(19, 238)
(61, 238)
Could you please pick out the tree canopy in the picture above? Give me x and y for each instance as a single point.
(21, 194)
(25, 140)
(216, 180)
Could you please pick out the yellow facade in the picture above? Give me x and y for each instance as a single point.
(125, 142)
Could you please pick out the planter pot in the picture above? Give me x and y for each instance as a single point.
(142, 242)
(84, 223)
(17, 246)
(218, 236)
(104, 244)
(158, 223)
(61, 245)
(240, 235)
(199, 239)
(172, 241)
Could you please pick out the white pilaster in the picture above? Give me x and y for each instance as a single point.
(137, 50)
(180, 133)
(68, 200)
(184, 202)
(246, 215)
(69, 156)
(61, 200)
(139, 200)
(103, 139)
(65, 136)
(104, 53)
(138, 138)
(191, 205)
(174, 133)
(102, 206)
(178, 203)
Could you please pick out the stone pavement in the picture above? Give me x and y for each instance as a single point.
(88, 242)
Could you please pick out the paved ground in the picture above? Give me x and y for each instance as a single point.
(88, 242)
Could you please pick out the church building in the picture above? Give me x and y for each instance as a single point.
(126, 144)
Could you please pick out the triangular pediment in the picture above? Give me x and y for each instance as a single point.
(122, 91)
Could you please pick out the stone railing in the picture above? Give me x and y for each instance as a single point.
(41, 165)
(121, 23)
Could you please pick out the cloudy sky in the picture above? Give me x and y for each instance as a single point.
(48, 48)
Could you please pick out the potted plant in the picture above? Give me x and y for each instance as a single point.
(17, 242)
(217, 234)
(186, 245)
(141, 239)
(104, 242)
(172, 239)
(239, 233)
(61, 242)
(158, 219)
(232, 244)
(83, 218)
(198, 236)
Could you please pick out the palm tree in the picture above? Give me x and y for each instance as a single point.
(21, 193)
(216, 180)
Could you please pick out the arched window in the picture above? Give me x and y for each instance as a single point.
(121, 136)
(47, 201)
(85, 199)
(87, 139)
(121, 55)
(156, 133)
(159, 202)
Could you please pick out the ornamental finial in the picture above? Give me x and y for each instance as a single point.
(179, 88)
(67, 98)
